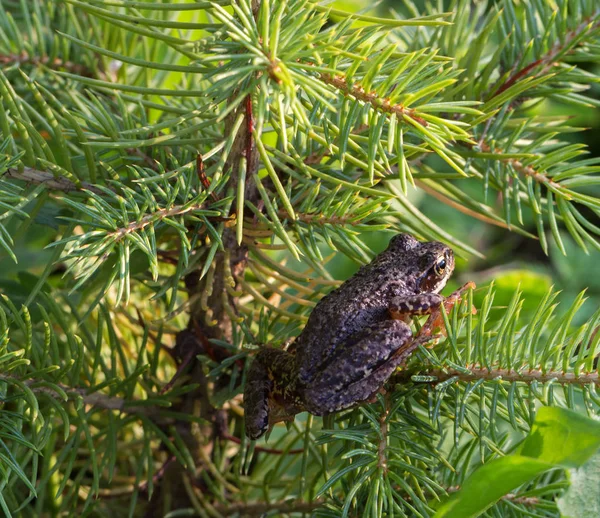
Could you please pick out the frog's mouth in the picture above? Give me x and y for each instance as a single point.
(430, 285)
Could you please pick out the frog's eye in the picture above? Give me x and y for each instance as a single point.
(440, 267)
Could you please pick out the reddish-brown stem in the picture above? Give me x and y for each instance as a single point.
(371, 98)
(249, 127)
(203, 178)
(547, 60)
(518, 75)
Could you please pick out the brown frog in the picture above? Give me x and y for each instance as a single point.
(353, 341)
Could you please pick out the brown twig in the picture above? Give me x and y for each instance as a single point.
(526, 170)
(371, 98)
(319, 219)
(53, 63)
(249, 128)
(203, 178)
(260, 508)
(526, 376)
(51, 181)
(95, 399)
(175, 210)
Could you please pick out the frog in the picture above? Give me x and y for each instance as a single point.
(354, 339)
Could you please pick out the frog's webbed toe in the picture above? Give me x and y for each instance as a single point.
(359, 369)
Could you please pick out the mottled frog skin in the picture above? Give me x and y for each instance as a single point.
(351, 344)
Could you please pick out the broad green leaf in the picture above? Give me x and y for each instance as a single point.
(562, 437)
(583, 497)
(559, 438)
(533, 285)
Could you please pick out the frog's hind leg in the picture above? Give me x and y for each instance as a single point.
(269, 374)
(360, 369)
(256, 398)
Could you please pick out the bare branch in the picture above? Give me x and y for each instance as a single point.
(48, 179)
(526, 376)
(373, 99)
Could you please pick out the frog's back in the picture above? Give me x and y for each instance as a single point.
(361, 301)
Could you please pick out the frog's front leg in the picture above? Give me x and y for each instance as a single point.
(269, 393)
(402, 308)
(359, 368)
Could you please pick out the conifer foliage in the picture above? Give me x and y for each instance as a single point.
(176, 177)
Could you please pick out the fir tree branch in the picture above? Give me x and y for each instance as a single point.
(260, 508)
(461, 208)
(371, 98)
(546, 61)
(320, 219)
(54, 63)
(52, 181)
(94, 399)
(525, 170)
(153, 217)
(477, 373)
(243, 149)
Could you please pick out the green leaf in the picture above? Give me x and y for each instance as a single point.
(583, 497)
(559, 438)
(533, 285)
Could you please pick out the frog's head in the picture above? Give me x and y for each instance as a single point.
(426, 264)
